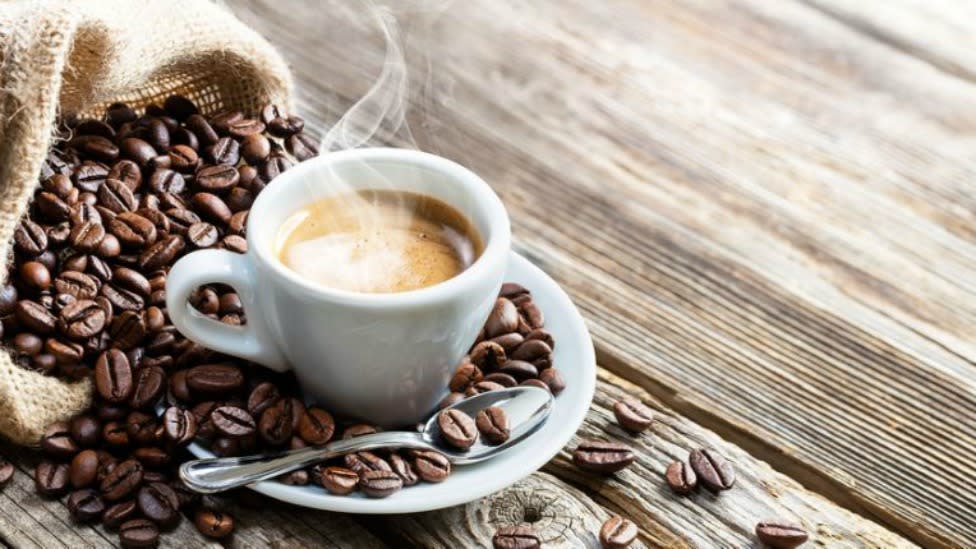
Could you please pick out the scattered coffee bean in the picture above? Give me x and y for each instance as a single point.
(502, 320)
(138, 533)
(466, 375)
(339, 480)
(633, 415)
(213, 524)
(233, 422)
(781, 534)
(120, 512)
(51, 479)
(85, 430)
(276, 423)
(713, 471)
(617, 533)
(113, 376)
(457, 428)
(316, 426)
(431, 466)
(516, 537)
(215, 378)
(602, 457)
(122, 480)
(86, 505)
(358, 429)
(493, 424)
(159, 503)
(553, 379)
(180, 425)
(681, 478)
(57, 442)
(403, 469)
(379, 484)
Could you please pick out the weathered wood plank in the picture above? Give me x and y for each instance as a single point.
(765, 213)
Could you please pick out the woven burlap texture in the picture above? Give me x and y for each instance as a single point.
(77, 57)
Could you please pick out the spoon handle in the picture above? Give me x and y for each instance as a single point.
(208, 476)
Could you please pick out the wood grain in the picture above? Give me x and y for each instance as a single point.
(764, 211)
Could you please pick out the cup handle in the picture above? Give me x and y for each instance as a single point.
(251, 341)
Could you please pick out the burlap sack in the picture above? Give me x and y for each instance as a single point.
(78, 56)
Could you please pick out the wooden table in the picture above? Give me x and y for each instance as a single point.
(764, 211)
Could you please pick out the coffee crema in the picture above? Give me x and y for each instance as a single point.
(378, 241)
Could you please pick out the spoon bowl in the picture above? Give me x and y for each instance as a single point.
(527, 409)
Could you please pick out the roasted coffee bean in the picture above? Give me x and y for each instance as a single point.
(26, 343)
(30, 238)
(403, 469)
(284, 126)
(515, 537)
(121, 512)
(205, 427)
(239, 199)
(132, 280)
(128, 330)
(509, 341)
(230, 303)
(781, 534)
(184, 137)
(137, 150)
(215, 379)
(95, 147)
(179, 107)
(164, 180)
(109, 247)
(339, 480)
(633, 415)
(263, 396)
(57, 235)
(116, 196)
(244, 127)
(183, 158)
(8, 300)
(238, 223)
(179, 391)
(114, 434)
(133, 230)
(161, 253)
(714, 471)
(127, 172)
(234, 243)
(202, 129)
(211, 207)
(379, 484)
(224, 151)
(58, 184)
(519, 369)
(532, 315)
(202, 235)
(77, 285)
(617, 533)
(82, 213)
(86, 505)
(504, 380)
(225, 446)
(87, 236)
(91, 126)
(216, 179)
(457, 428)
(431, 466)
(316, 426)
(121, 299)
(141, 428)
(492, 422)
(602, 457)
(51, 479)
(151, 456)
(213, 524)
(232, 421)
(358, 430)
(366, 461)
(57, 442)
(451, 399)
(681, 478)
(35, 317)
(255, 148)
(534, 351)
(295, 478)
(154, 319)
(502, 320)
(89, 176)
(180, 425)
(148, 385)
(52, 207)
(138, 534)
(488, 356)
(113, 376)
(275, 425)
(275, 165)
(83, 469)
(541, 334)
(6, 472)
(64, 352)
(483, 386)
(85, 430)
(97, 267)
(302, 146)
(157, 134)
(119, 113)
(122, 480)
(553, 379)
(466, 375)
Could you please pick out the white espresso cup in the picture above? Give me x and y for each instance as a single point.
(384, 358)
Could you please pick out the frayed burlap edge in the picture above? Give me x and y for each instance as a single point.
(79, 57)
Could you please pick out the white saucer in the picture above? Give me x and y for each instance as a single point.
(575, 359)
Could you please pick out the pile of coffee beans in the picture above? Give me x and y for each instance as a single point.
(121, 198)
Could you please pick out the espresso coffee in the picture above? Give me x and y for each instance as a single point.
(378, 241)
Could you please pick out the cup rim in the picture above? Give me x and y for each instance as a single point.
(496, 243)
